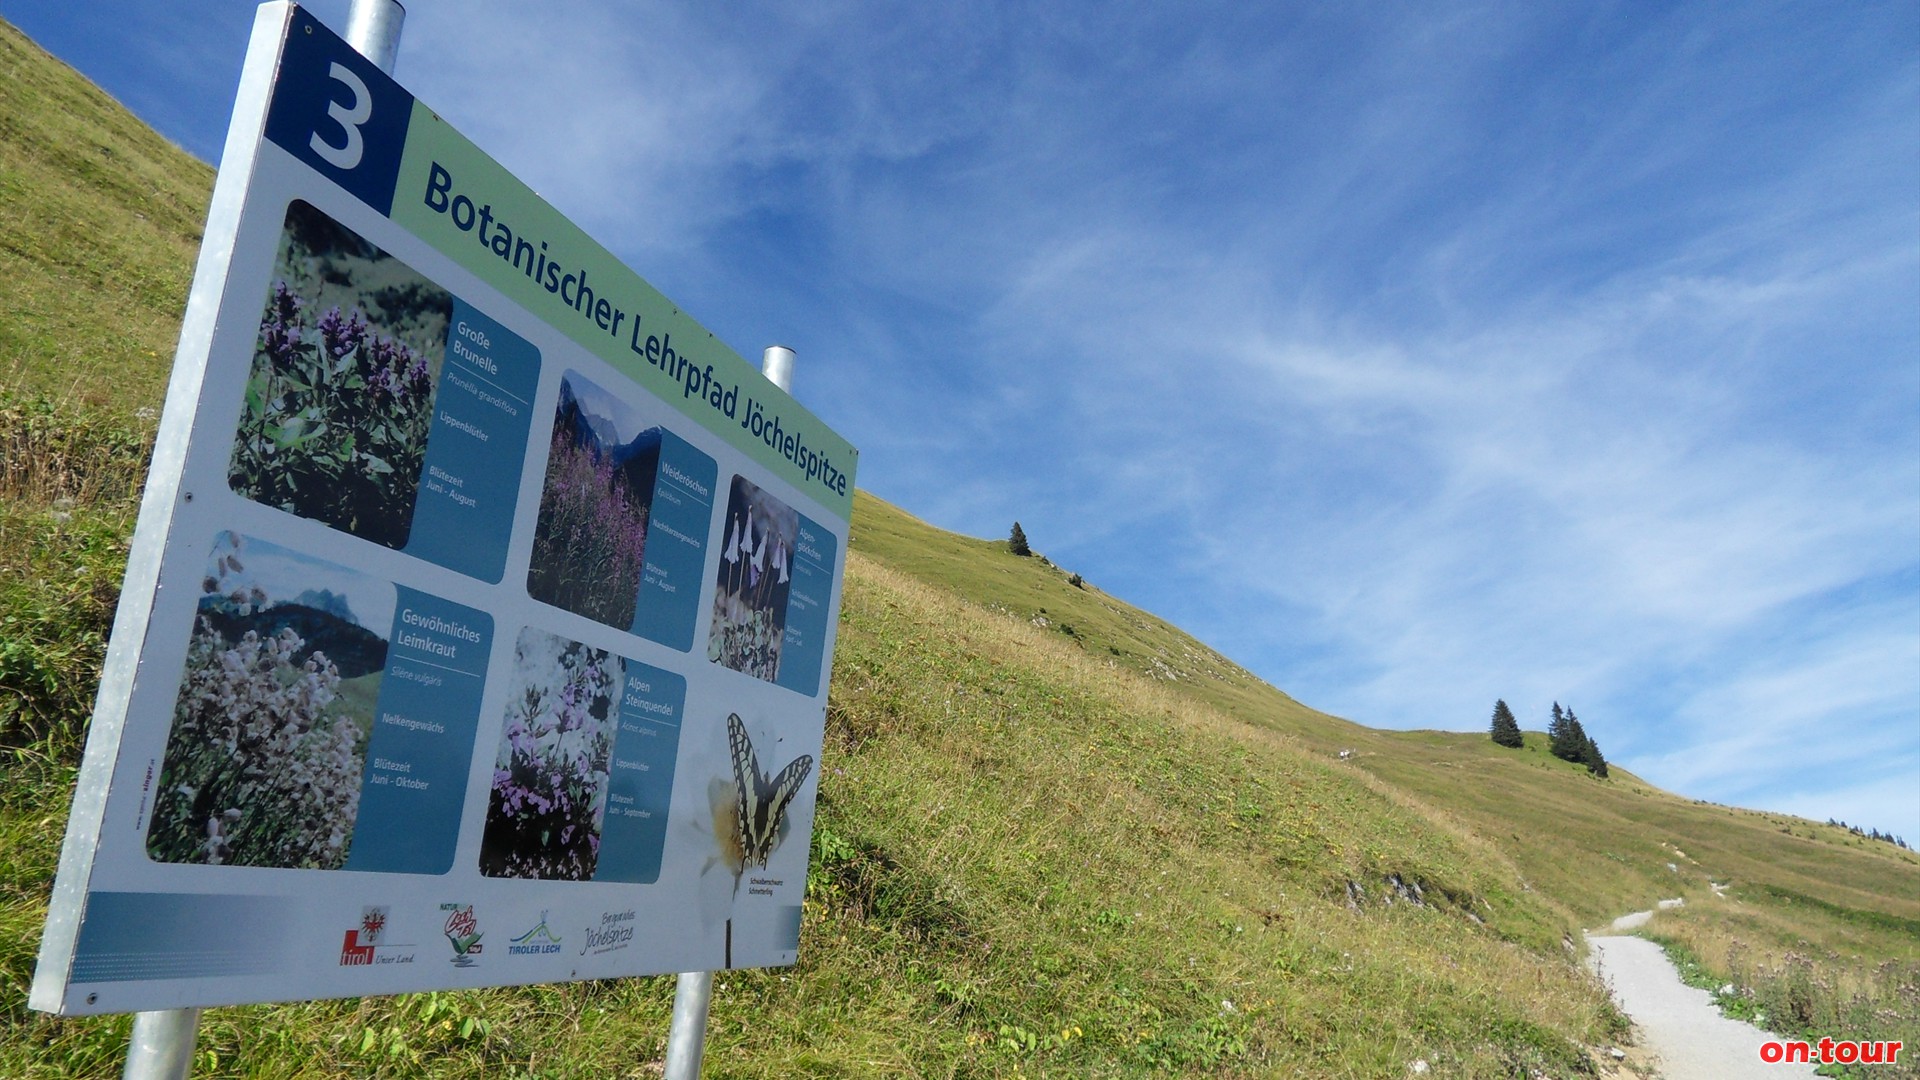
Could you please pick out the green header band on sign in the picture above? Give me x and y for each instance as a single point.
(453, 196)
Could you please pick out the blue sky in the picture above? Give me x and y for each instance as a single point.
(1412, 355)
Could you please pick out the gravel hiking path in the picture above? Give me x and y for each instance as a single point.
(1679, 1024)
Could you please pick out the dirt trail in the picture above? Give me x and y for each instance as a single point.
(1679, 1024)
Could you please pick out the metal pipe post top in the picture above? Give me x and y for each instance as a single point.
(373, 29)
(777, 364)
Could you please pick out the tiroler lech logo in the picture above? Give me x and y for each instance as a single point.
(463, 933)
(538, 941)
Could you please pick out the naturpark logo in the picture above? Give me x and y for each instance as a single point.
(463, 933)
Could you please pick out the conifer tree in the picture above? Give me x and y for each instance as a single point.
(1569, 741)
(1593, 759)
(1017, 541)
(1577, 738)
(1564, 735)
(1505, 729)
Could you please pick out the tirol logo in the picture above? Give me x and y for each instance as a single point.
(357, 949)
(367, 944)
(538, 941)
(614, 932)
(463, 932)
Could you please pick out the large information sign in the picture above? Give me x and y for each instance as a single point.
(479, 618)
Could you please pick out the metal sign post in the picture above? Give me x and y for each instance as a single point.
(162, 1044)
(373, 29)
(693, 990)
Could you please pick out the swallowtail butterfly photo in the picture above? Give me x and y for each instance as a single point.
(761, 800)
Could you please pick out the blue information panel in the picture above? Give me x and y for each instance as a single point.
(808, 607)
(481, 419)
(644, 751)
(677, 545)
(423, 734)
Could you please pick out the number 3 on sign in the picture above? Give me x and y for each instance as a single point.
(349, 117)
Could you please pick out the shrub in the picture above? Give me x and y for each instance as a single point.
(51, 452)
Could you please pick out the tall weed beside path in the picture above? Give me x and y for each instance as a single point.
(56, 455)
(1801, 968)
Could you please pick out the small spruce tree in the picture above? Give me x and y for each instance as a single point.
(1595, 761)
(1577, 739)
(1569, 741)
(1564, 735)
(1505, 729)
(1017, 541)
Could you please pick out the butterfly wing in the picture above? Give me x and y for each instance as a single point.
(761, 801)
(774, 799)
(746, 782)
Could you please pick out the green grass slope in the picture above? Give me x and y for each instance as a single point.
(1037, 591)
(102, 221)
(1057, 836)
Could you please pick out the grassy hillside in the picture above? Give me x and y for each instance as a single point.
(1816, 927)
(103, 222)
(1057, 835)
(1600, 848)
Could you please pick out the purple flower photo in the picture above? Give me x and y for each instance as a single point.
(264, 758)
(589, 542)
(339, 400)
(550, 769)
